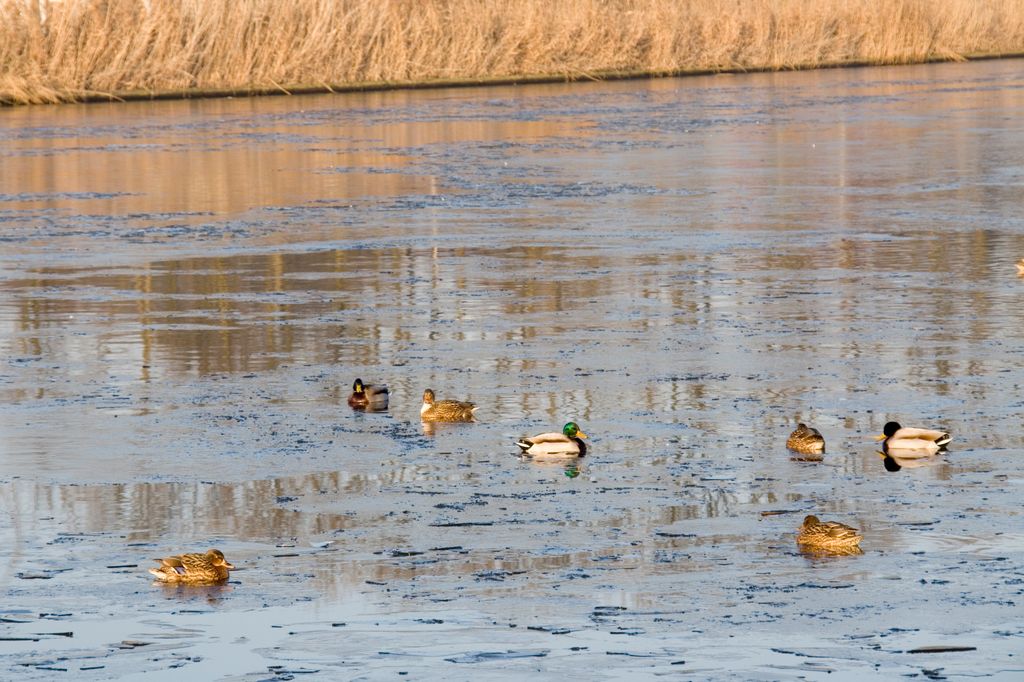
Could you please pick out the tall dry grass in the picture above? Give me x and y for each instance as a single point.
(55, 50)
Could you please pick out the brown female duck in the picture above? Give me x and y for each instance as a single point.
(445, 410)
(806, 440)
(193, 569)
(827, 534)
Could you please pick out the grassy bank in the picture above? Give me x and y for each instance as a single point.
(66, 50)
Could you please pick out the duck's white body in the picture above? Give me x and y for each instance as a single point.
(550, 444)
(910, 439)
(567, 443)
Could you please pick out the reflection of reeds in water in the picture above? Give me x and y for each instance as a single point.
(52, 51)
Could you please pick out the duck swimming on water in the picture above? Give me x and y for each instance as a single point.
(368, 396)
(827, 534)
(897, 438)
(210, 568)
(806, 440)
(569, 442)
(445, 410)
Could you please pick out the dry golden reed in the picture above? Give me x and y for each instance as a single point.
(59, 50)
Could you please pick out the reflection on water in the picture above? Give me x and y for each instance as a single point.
(807, 458)
(167, 162)
(825, 553)
(187, 290)
(893, 463)
(345, 308)
(210, 595)
(272, 528)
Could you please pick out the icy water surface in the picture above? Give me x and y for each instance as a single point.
(684, 267)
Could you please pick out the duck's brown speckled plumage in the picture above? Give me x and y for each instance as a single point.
(445, 410)
(806, 440)
(827, 534)
(210, 568)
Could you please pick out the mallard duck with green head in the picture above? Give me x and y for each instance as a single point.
(567, 443)
(434, 410)
(827, 534)
(898, 438)
(806, 440)
(368, 396)
(193, 569)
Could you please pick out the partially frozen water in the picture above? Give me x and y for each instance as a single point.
(684, 267)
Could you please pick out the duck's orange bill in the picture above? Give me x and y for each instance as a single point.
(879, 438)
(580, 434)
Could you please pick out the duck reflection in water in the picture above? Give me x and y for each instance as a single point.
(812, 552)
(569, 464)
(893, 462)
(208, 594)
(431, 429)
(796, 457)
